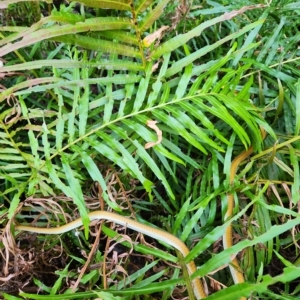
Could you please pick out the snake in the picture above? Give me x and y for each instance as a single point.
(155, 233)
(235, 270)
(162, 235)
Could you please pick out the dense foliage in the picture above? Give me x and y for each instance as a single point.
(143, 105)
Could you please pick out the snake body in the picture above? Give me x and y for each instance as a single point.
(235, 270)
(164, 236)
(132, 224)
(234, 266)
